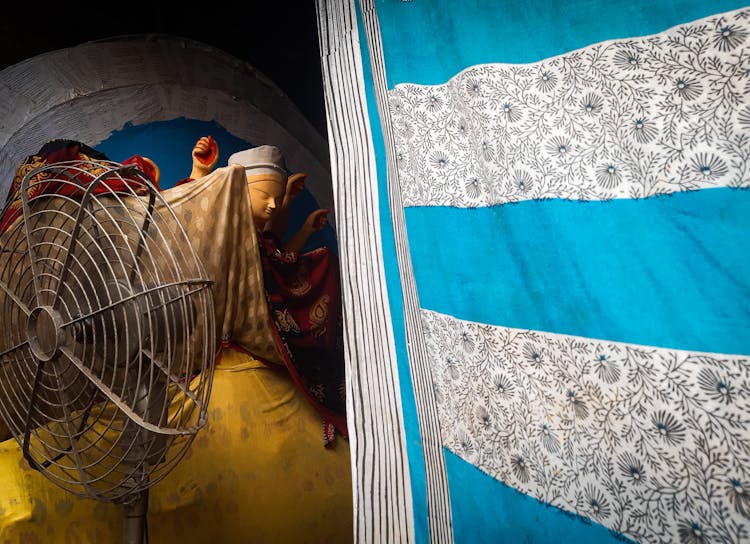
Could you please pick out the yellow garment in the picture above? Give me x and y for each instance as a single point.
(258, 472)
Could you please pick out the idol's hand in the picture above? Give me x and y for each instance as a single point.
(294, 186)
(205, 154)
(317, 220)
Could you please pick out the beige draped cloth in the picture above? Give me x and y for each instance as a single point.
(216, 215)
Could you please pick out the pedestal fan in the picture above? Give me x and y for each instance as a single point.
(108, 337)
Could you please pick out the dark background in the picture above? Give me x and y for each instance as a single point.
(278, 37)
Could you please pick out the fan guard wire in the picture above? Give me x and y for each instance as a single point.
(108, 336)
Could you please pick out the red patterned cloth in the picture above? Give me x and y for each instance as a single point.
(304, 296)
(85, 165)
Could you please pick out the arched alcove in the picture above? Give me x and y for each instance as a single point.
(92, 90)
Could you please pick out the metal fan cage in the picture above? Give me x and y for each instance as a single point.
(108, 338)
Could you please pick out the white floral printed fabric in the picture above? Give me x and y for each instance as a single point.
(620, 119)
(650, 442)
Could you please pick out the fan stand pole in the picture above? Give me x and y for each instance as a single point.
(134, 526)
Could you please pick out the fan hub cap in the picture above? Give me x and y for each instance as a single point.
(45, 333)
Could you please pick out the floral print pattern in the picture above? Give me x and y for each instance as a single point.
(652, 443)
(627, 118)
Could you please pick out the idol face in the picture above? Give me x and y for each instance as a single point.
(265, 198)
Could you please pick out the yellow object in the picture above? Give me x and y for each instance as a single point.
(258, 472)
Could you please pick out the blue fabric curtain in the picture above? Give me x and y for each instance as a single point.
(560, 192)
